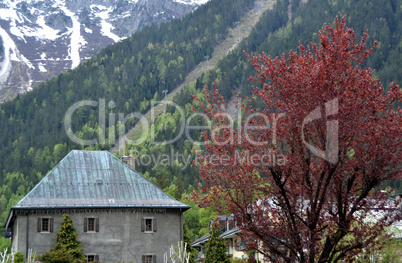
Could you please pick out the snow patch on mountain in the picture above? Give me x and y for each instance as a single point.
(11, 15)
(191, 2)
(103, 13)
(41, 67)
(11, 53)
(75, 35)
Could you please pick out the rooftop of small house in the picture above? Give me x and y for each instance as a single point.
(228, 228)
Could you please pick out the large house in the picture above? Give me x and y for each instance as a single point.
(119, 214)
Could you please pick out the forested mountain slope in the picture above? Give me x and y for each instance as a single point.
(274, 35)
(235, 35)
(132, 74)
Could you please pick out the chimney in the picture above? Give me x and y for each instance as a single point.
(129, 160)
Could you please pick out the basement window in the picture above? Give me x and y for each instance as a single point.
(91, 258)
(148, 259)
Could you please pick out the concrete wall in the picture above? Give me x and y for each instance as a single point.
(119, 237)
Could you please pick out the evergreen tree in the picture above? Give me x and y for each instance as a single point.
(68, 248)
(216, 248)
(161, 180)
(178, 192)
(187, 239)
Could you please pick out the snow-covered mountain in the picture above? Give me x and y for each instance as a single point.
(41, 38)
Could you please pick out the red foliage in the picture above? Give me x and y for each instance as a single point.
(300, 174)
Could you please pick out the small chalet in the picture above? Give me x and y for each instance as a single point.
(119, 214)
(231, 233)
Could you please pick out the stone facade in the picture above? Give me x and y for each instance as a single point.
(120, 237)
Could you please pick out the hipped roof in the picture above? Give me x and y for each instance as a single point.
(88, 179)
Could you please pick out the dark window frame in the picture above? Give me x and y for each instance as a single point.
(148, 258)
(91, 224)
(148, 225)
(45, 225)
(93, 257)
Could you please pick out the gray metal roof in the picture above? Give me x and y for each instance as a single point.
(201, 241)
(231, 233)
(227, 234)
(95, 179)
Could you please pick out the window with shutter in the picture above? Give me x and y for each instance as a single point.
(45, 225)
(91, 224)
(148, 225)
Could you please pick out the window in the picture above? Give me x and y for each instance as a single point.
(45, 225)
(91, 224)
(91, 258)
(148, 225)
(148, 259)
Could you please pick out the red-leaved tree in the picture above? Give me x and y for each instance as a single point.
(301, 173)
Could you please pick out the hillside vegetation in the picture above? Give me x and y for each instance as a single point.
(274, 35)
(131, 73)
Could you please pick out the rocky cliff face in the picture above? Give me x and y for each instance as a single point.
(41, 38)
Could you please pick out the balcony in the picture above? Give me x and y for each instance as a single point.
(240, 247)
